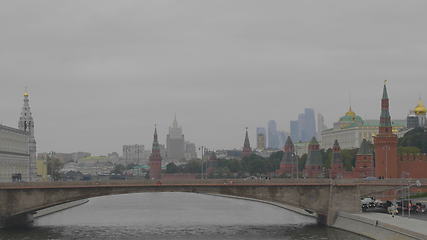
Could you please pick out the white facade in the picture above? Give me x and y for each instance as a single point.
(14, 154)
(134, 154)
(349, 138)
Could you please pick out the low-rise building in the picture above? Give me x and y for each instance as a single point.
(14, 154)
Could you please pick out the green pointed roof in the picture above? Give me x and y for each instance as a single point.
(385, 95)
(365, 148)
(314, 141)
(289, 141)
(314, 158)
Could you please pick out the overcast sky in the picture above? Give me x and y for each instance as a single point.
(102, 73)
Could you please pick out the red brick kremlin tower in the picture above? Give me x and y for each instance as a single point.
(337, 165)
(364, 161)
(155, 159)
(386, 165)
(288, 164)
(247, 150)
(314, 162)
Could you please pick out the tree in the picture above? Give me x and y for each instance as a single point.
(408, 150)
(172, 168)
(193, 166)
(118, 169)
(53, 167)
(349, 158)
(415, 138)
(255, 165)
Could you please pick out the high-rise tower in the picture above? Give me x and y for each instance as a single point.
(386, 165)
(155, 159)
(26, 123)
(175, 143)
(247, 150)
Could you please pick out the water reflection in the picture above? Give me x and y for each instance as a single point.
(175, 216)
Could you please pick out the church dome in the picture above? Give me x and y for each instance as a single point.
(420, 109)
(350, 116)
(350, 113)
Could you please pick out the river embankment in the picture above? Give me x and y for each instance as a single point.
(58, 208)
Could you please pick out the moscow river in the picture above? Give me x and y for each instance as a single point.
(175, 216)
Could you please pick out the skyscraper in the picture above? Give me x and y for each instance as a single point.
(295, 131)
(261, 138)
(175, 143)
(26, 124)
(308, 125)
(282, 135)
(273, 136)
(305, 127)
(133, 154)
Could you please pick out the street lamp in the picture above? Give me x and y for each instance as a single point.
(202, 148)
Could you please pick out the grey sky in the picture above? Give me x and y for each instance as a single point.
(101, 73)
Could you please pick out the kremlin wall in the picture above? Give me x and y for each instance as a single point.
(379, 160)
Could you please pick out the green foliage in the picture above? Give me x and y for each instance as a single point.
(118, 169)
(192, 166)
(172, 168)
(53, 167)
(415, 138)
(349, 158)
(301, 161)
(256, 165)
(326, 157)
(408, 150)
(222, 172)
(275, 159)
(130, 166)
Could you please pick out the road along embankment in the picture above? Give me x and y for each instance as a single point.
(382, 226)
(57, 208)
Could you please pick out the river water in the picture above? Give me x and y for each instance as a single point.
(175, 216)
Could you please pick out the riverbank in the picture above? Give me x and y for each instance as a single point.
(382, 226)
(373, 225)
(58, 208)
(284, 206)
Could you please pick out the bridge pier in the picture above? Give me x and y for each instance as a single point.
(20, 220)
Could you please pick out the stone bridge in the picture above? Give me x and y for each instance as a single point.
(322, 196)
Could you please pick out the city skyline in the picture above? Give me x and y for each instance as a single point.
(219, 72)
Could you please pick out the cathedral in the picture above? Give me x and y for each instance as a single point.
(18, 148)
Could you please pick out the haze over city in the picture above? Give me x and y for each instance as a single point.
(100, 74)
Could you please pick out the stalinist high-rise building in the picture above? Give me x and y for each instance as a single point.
(175, 143)
(26, 124)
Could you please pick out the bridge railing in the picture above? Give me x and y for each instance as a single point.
(273, 181)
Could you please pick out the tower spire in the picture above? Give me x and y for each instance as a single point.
(155, 158)
(26, 124)
(246, 145)
(385, 119)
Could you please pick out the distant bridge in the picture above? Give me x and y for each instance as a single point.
(324, 196)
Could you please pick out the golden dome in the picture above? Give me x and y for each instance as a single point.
(26, 94)
(420, 109)
(350, 113)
